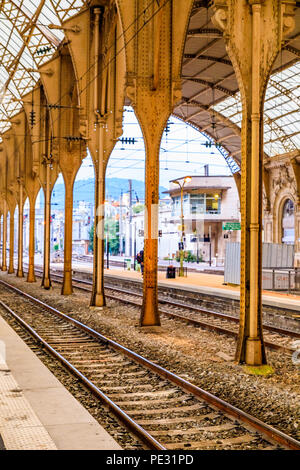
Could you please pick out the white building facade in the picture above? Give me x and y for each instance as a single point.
(211, 217)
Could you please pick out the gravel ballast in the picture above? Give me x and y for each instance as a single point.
(202, 357)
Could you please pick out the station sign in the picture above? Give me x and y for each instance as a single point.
(231, 226)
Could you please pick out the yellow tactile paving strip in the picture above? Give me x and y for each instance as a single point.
(20, 428)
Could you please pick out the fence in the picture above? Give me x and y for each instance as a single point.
(281, 279)
(277, 264)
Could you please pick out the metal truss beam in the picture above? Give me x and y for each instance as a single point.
(205, 33)
(210, 85)
(208, 57)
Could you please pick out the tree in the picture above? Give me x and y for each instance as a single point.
(138, 208)
(91, 239)
(111, 226)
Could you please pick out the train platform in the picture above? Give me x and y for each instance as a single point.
(36, 411)
(211, 284)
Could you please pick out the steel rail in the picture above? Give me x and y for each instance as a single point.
(272, 433)
(198, 323)
(122, 415)
(204, 325)
(224, 316)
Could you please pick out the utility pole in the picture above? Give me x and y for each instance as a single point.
(187, 179)
(209, 234)
(130, 217)
(107, 248)
(121, 224)
(47, 161)
(134, 247)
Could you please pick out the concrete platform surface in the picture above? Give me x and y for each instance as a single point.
(35, 408)
(204, 283)
(211, 284)
(20, 427)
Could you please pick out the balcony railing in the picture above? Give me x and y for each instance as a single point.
(196, 213)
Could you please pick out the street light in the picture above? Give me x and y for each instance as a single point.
(187, 179)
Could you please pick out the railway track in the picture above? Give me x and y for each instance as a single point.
(162, 409)
(275, 338)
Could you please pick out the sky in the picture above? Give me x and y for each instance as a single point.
(183, 153)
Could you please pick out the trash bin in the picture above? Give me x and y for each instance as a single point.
(171, 272)
(128, 263)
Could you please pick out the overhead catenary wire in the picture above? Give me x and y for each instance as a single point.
(106, 65)
(141, 13)
(117, 53)
(137, 18)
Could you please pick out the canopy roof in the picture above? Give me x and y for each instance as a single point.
(211, 100)
(26, 42)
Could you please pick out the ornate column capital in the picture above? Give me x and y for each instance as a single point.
(288, 8)
(48, 160)
(220, 17)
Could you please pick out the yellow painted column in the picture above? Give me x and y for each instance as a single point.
(253, 33)
(20, 272)
(1, 231)
(46, 281)
(11, 269)
(254, 343)
(250, 347)
(4, 238)
(149, 314)
(98, 296)
(31, 275)
(67, 281)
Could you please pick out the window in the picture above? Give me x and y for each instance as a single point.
(197, 203)
(176, 205)
(213, 204)
(288, 222)
(203, 203)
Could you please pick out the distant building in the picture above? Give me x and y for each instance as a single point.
(209, 203)
(82, 222)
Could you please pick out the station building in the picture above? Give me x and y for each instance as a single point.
(209, 203)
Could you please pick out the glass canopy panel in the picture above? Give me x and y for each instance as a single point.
(67, 8)
(22, 20)
(49, 16)
(281, 111)
(25, 22)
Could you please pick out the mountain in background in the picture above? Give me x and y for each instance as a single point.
(84, 190)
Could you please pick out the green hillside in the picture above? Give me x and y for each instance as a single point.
(84, 190)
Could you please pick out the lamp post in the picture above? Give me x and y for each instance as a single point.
(134, 246)
(107, 249)
(187, 179)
